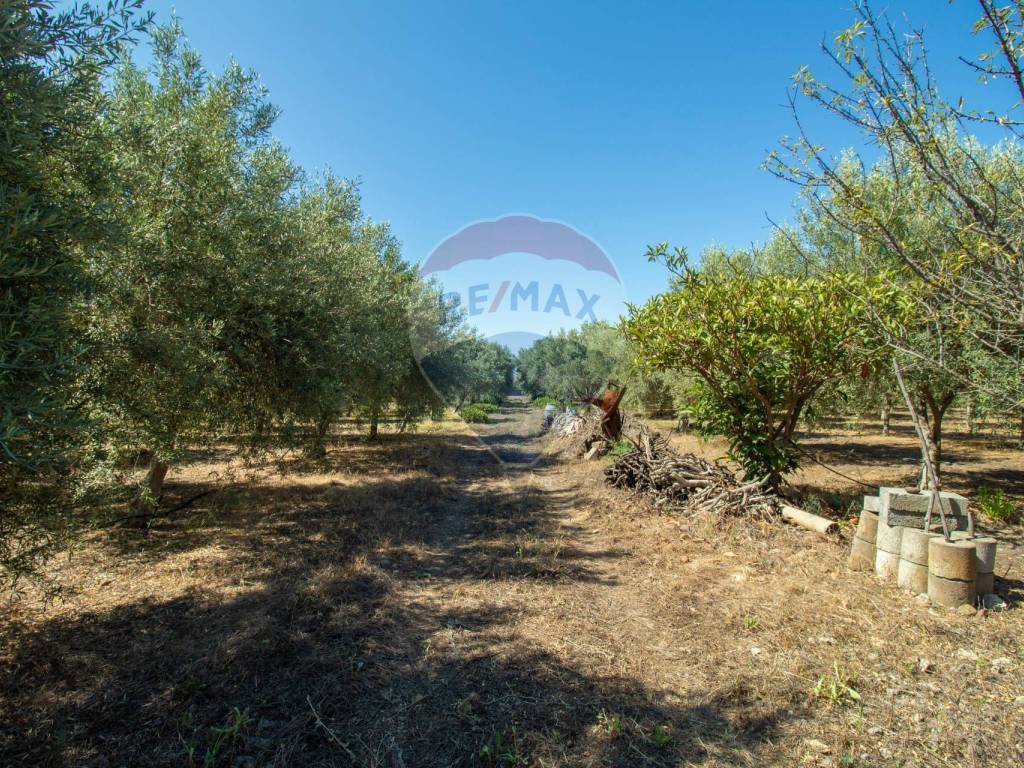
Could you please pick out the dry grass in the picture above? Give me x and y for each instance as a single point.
(410, 603)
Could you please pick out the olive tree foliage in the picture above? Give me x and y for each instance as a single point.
(203, 251)
(52, 181)
(572, 365)
(940, 356)
(576, 365)
(970, 264)
(761, 345)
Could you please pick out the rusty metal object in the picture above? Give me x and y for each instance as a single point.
(611, 419)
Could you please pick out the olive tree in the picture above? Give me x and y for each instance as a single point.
(201, 193)
(53, 178)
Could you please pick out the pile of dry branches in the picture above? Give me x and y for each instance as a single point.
(688, 482)
(568, 424)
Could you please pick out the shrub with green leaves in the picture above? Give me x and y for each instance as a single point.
(760, 346)
(485, 407)
(474, 415)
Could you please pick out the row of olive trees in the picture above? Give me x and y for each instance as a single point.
(171, 278)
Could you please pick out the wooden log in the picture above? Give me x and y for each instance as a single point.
(811, 522)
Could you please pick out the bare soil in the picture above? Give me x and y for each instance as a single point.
(414, 602)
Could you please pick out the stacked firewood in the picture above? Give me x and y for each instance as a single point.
(687, 482)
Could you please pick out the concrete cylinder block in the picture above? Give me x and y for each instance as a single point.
(985, 549)
(950, 593)
(889, 537)
(862, 555)
(867, 527)
(956, 560)
(985, 583)
(914, 546)
(912, 576)
(886, 564)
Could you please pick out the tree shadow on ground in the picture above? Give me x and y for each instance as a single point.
(316, 642)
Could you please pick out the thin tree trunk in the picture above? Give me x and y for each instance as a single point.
(969, 418)
(323, 426)
(935, 441)
(934, 415)
(927, 470)
(886, 417)
(374, 421)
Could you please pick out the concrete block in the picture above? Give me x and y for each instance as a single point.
(914, 545)
(912, 576)
(985, 549)
(872, 504)
(952, 559)
(867, 526)
(985, 584)
(951, 593)
(889, 537)
(862, 555)
(887, 564)
(900, 508)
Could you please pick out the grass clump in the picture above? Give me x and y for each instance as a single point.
(994, 504)
(620, 448)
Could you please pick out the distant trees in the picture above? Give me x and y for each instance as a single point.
(573, 365)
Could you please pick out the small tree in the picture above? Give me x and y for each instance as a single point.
(760, 345)
(972, 262)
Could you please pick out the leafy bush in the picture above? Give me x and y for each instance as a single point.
(540, 402)
(485, 407)
(760, 345)
(995, 505)
(473, 414)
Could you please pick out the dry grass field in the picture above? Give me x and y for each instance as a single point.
(411, 602)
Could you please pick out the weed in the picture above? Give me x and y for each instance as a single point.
(611, 724)
(503, 749)
(836, 688)
(662, 736)
(995, 505)
(225, 736)
(750, 622)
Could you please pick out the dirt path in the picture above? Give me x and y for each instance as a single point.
(416, 603)
(514, 432)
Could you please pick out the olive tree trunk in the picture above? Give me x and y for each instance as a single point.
(149, 496)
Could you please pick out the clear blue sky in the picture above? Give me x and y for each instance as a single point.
(634, 122)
